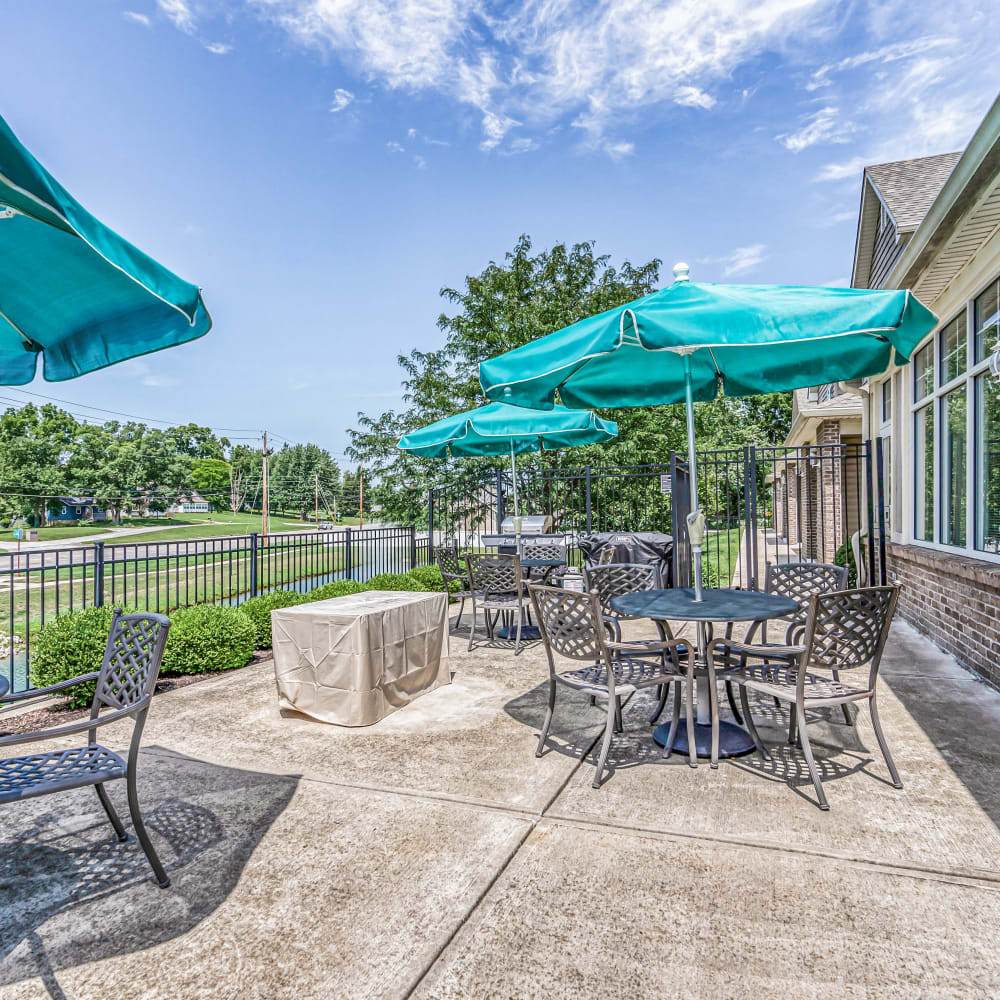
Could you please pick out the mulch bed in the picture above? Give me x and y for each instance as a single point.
(58, 715)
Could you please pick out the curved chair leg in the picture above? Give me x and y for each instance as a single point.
(813, 771)
(548, 717)
(745, 702)
(661, 703)
(793, 719)
(461, 610)
(844, 708)
(732, 703)
(102, 794)
(162, 878)
(472, 627)
(675, 721)
(692, 743)
(882, 745)
(619, 720)
(517, 640)
(606, 745)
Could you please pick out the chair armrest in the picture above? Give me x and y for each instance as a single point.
(758, 649)
(51, 689)
(652, 646)
(74, 727)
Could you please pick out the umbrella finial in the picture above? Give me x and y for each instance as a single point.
(681, 271)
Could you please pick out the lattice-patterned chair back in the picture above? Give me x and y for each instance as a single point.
(450, 563)
(131, 659)
(800, 581)
(570, 623)
(615, 579)
(543, 550)
(848, 629)
(491, 573)
(606, 555)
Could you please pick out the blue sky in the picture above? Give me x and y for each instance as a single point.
(323, 167)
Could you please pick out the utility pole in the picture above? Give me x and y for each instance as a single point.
(316, 488)
(361, 494)
(266, 498)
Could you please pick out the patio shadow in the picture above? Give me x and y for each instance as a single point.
(69, 889)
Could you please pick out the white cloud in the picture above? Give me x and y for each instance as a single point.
(420, 162)
(137, 18)
(844, 169)
(522, 144)
(618, 150)
(692, 97)
(180, 14)
(740, 261)
(887, 54)
(341, 98)
(495, 127)
(395, 147)
(838, 283)
(820, 126)
(218, 48)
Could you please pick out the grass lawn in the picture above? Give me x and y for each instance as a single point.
(55, 533)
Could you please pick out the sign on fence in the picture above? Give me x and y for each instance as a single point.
(666, 483)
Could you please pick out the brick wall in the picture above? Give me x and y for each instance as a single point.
(954, 600)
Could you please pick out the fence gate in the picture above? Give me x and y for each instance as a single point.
(818, 503)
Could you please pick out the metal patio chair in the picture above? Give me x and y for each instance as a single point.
(844, 631)
(606, 555)
(495, 585)
(125, 685)
(611, 580)
(800, 581)
(532, 549)
(573, 625)
(452, 568)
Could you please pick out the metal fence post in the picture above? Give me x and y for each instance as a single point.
(98, 574)
(413, 546)
(589, 529)
(430, 527)
(253, 563)
(500, 503)
(348, 559)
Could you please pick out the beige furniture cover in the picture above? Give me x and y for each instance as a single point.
(354, 660)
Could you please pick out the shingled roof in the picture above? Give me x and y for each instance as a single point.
(908, 187)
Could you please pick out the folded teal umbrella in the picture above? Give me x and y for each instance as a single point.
(73, 290)
(686, 341)
(499, 429)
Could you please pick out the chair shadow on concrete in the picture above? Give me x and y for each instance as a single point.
(70, 892)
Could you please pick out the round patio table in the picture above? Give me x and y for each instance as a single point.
(718, 605)
(530, 631)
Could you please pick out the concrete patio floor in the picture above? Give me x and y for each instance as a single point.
(433, 856)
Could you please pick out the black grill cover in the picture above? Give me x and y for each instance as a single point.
(632, 547)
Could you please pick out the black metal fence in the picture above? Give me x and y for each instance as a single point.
(762, 504)
(162, 576)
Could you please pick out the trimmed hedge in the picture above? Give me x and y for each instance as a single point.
(68, 646)
(207, 638)
(338, 588)
(394, 581)
(258, 610)
(430, 578)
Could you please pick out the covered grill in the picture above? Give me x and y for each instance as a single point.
(537, 527)
(647, 547)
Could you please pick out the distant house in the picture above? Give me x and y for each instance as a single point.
(78, 509)
(193, 504)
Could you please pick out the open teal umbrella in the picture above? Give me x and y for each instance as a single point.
(500, 429)
(73, 290)
(685, 341)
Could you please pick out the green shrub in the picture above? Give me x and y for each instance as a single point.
(68, 646)
(338, 588)
(258, 610)
(430, 578)
(393, 581)
(845, 557)
(207, 638)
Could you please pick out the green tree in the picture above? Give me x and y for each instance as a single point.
(210, 479)
(528, 296)
(297, 473)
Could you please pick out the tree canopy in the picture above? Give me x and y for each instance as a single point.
(508, 304)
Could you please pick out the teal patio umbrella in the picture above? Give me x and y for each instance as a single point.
(684, 342)
(71, 289)
(501, 429)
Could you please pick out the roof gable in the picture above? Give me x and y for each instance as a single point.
(908, 188)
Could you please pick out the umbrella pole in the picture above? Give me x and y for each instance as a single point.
(517, 512)
(692, 472)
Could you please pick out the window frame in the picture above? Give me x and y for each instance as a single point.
(935, 397)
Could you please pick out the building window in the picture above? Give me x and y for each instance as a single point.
(923, 371)
(953, 342)
(887, 401)
(988, 464)
(923, 468)
(987, 318)
(953, 467)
